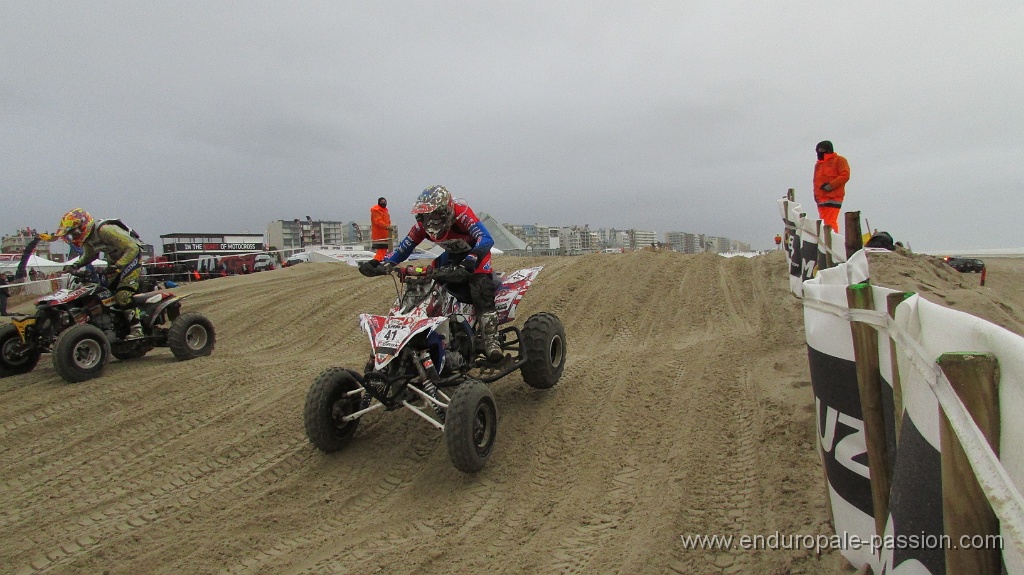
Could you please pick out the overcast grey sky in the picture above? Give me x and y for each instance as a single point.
(204, 116)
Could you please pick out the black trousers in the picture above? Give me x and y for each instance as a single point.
(478, 291)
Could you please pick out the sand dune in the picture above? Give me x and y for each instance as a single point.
(685, 409)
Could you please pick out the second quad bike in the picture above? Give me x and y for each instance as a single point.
(80, 328)
(427, 356)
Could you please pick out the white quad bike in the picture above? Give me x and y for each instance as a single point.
(426, 356)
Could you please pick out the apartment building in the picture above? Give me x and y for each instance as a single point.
(16, 243)
(293, 235)
(538, 240)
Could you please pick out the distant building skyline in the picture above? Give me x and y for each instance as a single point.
(517, 239)
(576, 239)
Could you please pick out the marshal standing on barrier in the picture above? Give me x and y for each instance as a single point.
(831, 172)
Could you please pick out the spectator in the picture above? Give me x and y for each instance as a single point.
(831, 172)
(380, 229)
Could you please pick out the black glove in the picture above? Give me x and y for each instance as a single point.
(455, 275)
(470, 262)
(369, 269)
(374, 268)
(69, 269)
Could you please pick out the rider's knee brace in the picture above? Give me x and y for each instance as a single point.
(123, 298)
(481, 291)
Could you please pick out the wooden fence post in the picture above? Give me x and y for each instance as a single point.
(965, 509)
(893, 300)
(869, 381)
(854, 239)
(821, 263)
(829, 262)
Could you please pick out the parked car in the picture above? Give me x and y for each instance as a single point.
(263, 262)
(297, 258)
(966, 264)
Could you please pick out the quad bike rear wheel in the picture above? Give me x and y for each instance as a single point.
(80, 353)
(327, 402)
(191, 336)
(470, 426)
(14, 361)
(544, 348)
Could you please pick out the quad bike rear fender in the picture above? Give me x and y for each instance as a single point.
(156, 303)
(510, 293)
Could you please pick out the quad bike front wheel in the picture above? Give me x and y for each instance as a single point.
(544, 348)
(191, 336)
(14, 359)
(80, 353)
(470, 426)
(328, 401)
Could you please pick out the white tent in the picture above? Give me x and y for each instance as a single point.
(9, 264)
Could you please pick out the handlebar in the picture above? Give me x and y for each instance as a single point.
(411, 272)
(414, 271)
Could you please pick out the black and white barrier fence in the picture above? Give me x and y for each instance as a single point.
(809, 244)
(922, 475)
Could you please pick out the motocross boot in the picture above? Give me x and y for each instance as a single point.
(134, 325)
(489, 327)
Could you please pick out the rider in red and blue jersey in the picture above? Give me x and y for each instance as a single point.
(452, 225)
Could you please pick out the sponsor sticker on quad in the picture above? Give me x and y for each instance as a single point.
(390, 337)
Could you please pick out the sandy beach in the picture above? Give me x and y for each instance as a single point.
(685, 409)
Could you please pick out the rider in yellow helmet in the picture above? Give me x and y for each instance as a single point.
(122, 251)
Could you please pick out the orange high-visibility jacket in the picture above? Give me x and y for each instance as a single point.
(380, 221)
(835, 171)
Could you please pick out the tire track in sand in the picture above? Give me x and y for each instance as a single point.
(730, 493)
(194, 485)
(398, 476)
